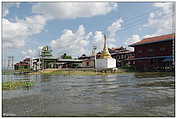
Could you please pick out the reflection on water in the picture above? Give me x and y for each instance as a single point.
(128, 94)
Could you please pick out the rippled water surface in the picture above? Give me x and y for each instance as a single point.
(128, 94)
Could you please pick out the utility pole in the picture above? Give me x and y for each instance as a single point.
(173, 25)
(94, 51)
(10, 64)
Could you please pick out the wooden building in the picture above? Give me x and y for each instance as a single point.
(87, 61)
(122, 56)
(23, 65)
(155, 53)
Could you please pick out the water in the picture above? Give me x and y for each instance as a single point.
(71, 95)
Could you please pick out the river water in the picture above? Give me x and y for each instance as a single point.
(129, 94)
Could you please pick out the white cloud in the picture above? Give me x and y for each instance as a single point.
(81, 42)
(15, 33)
(166, 6)
(163, 20)
(73, 43)
(115, 26)
(40, 47)
(133, 39)
(29, 53)
(98, 40)
(149, 35)
(71, 10)
(35, 24)
(112, 31)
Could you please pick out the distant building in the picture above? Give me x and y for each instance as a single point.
(87, 61)
(155, 53)
(46, 61)
(122, 56)
(69, 63)
(22, 65)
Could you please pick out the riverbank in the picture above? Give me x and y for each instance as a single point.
(75, 72)
(93, 72)
(90, 72)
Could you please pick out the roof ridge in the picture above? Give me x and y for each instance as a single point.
(155, 39)
(160, 36)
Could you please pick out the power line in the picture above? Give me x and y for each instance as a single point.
(137, 18)
(130, 26)
(140, 15)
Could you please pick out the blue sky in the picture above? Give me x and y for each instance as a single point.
(74, 27)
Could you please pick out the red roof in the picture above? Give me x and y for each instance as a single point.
(116, 48)
(26, 59)
(22, 64)
(155, 39)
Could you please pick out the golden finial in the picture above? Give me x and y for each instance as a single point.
(105, 53)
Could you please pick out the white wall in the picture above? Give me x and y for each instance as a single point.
(105, 63)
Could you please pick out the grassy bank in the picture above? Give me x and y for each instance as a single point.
(11, 72)
(59, 72)
(12, 85)
(75, 72)
(153, 74)
(92, 72)
(128, 68)
(7, 72)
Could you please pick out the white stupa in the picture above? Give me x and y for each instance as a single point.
(105, 61)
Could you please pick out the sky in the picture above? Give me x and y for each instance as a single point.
(75, 27)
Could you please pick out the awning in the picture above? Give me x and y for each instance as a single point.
(156, 57)
(167, 59)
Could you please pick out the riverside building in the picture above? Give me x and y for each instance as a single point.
(155, 53)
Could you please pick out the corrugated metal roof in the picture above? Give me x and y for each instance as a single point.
(69, 60)
(154, 39)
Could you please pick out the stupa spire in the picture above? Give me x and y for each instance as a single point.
(105, 43)
(105, 53)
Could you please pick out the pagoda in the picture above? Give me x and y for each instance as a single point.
(46, 52)
(105, 61)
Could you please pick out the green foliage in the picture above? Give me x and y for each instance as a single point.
(11, 85)
(75, 65)
(23, 70)
(80, 72)
(128, 68)
(65, 56)
(7, 72)
(153, 74)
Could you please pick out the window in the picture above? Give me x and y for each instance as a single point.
(126, 56)
(150, 50)
(87, 63)
(139, 51)
(162, 49)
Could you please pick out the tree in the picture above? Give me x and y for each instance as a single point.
(65, 56)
